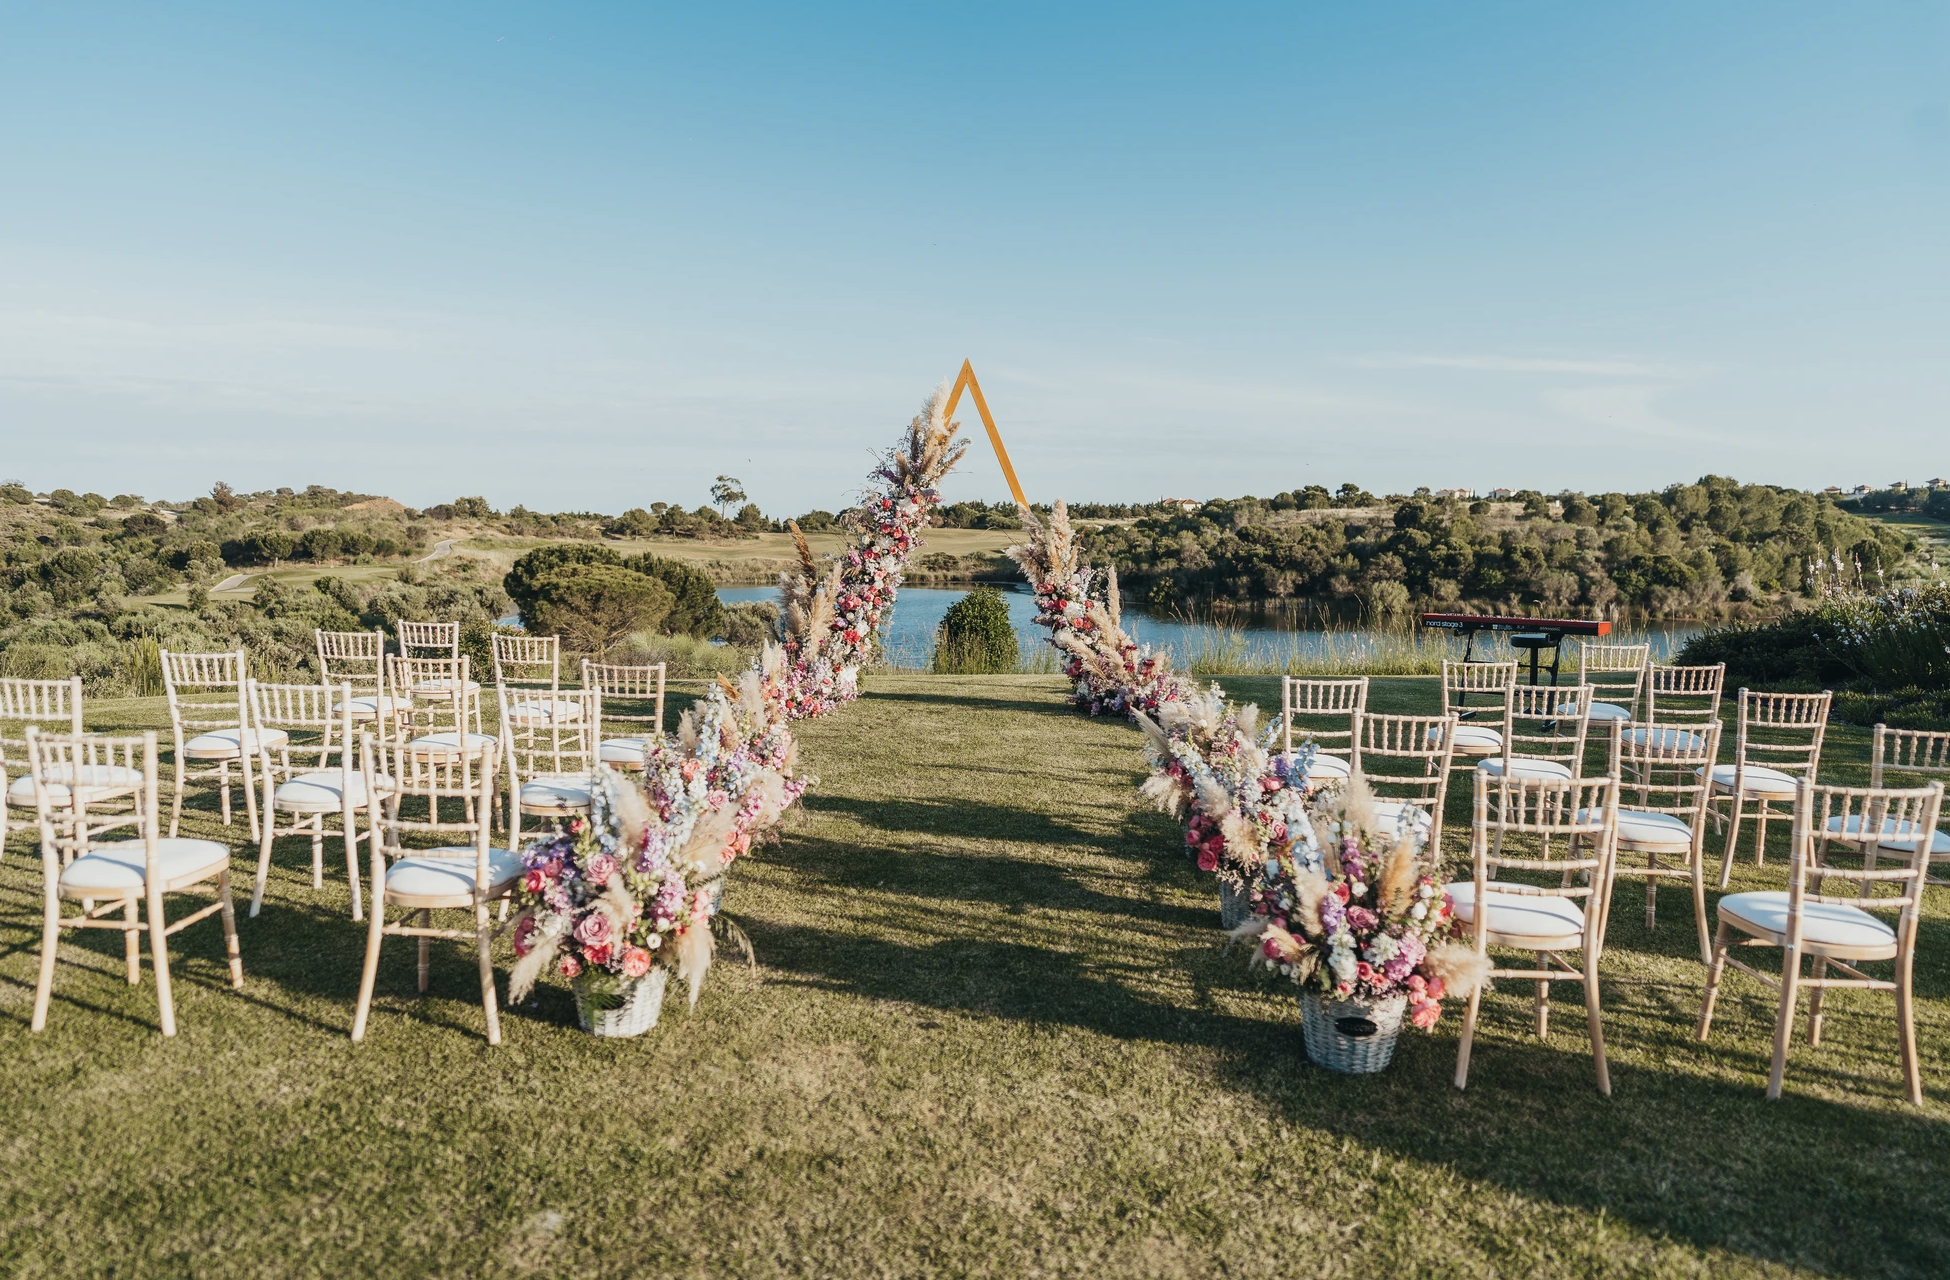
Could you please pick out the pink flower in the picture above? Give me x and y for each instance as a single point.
(600, 869)
(636, 962)
(1363, 970)
(1278, 831)
(1270, 951)
(1426, 1013)
(570, 966)
(598, 954)
(593, 930)
(1269, 784)
(534, 881)
(524, 933)
(1437, 988)
(1207, 860)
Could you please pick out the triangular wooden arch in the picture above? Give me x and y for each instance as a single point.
(974, 388)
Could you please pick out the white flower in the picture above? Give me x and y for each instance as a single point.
(1419, 910)
(1357, 889)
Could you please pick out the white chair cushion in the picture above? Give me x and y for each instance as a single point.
(1939, 840)
(119, 868)
(97, 781)
(1326, 768)
(624, 751)
(449, 873)
(224, 744)
(444, 685)
(1472, 739)
(1759, 780)
(451, 744)
(1663, 739)
(544, 710)
(1609, 711)
(319, 792)
(1640, 829)
(1830, 924)
(1514, 915)
(367, 708)
(1524, 767)
(555, 792)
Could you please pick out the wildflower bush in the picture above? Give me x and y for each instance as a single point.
(976, 636)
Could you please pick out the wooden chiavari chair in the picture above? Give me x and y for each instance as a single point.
(641, 689)
(1918, 756)
(549, 762)
(1684, 695)
(315, 788)
(418, 882)
(1547, 919)
(357, 658)
(50, 706)
(529, 669)
(436, 640)
(1666, 821)
(1834, 929)
(1616, 674)
(1544, 734)
(129, 877)
(1480, 731)
(1331, 710)
(1778, 744)
(443, 726)
(209, 720)
(1406, 762)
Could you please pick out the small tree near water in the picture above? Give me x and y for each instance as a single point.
(976, 637)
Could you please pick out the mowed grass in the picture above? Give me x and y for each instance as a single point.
(992, 1033)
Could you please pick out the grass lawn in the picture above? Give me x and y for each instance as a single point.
(755, 560)
(992, 1034)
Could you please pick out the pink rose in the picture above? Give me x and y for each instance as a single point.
(524, 933)
(1279, 831)
(598, 954)
(600, 869)
(1207, 860)
(1437, 988)
(593, 930)
(636, 962)
(534, 881)
(571, 966)
(1425, 1014)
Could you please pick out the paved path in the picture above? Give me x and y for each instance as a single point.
(444, 547)
(235, 582)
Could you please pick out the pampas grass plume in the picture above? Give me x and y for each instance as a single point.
(1462, 970)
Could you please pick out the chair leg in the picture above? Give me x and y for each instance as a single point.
(318, 851)
(264, 839)
(1592, 1020)
(1543, 1000)
(250, 794)
(375, 930)
(1716, 965)
(1906, 1026)
(1760, 833)
(131, 943)
(1651, 892)
(1468, 1038)
(350, 821)
(223, 786)
(159, 945)
(425, 920)
(1698, 860)
(1733, 838)
(484, 938)
(50, 943)
(231, 949)
(1815, 992)
(175, 796)
(1784, 1020)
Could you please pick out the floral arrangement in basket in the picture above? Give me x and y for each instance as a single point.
(830, 618)
(1112, 672)
(635, 885)
(1368, 922)
(1243, 803)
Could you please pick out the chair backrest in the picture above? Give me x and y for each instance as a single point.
(1915, 753)
(628, 685)
(1510, 811)
(1407, 758)
(429, 694)
(529, 661)
(428, 639)
(1684, 695)
(1891, 816)
(206, 690)
(1666, 769)
(48, 705)
(68, 829)
(1492, 681)
(316, 717)
(1782, 731)
(556, 744)
(1615, 671)
(1329, 709)
(357, 658)
(1548, 722)
(418, 778)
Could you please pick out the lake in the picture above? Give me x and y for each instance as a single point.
(910, 634)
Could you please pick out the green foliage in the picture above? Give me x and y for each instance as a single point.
(976, 636)
(694, 607)
(593, 607)
(750, 624)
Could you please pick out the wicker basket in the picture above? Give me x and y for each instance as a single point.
(1235, 907)
(1350, 1037)
(643, 1000)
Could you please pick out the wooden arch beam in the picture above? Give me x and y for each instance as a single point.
(966, 380)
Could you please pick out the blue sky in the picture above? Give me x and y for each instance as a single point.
(588, 257)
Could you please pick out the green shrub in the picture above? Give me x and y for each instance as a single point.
(976, 636)
(694, 608)
(594, 607)
(751, 624)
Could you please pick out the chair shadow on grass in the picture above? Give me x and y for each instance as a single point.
(1672, 1154)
